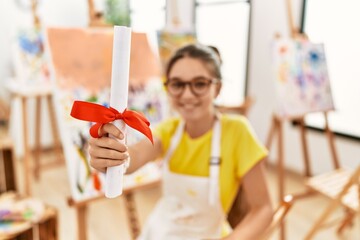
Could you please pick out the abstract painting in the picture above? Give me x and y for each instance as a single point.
(301, 78)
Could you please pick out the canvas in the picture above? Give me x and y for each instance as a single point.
(29, 60)
(170, 42)
(301, 78)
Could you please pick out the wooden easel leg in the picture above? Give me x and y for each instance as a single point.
(27, 169)
(37, 138)
(271, 133)
(132, 214)
(348, 220)
(322, 219)
(330, 138)
(280, 166)
(280, 159)
(54, 127)
(305, 148)
(81, 212)
(292, 27)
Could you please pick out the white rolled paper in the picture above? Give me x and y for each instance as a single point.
(118, 100)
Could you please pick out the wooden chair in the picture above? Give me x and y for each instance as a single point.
(342, 186)
(279, 216)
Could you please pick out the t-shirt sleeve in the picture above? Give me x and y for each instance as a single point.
(163, 132)
(250, 150)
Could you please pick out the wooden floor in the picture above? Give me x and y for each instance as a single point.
(107, 217)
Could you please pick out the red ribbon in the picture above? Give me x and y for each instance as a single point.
(97, 113)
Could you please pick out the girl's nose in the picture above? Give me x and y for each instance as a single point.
(187, 92)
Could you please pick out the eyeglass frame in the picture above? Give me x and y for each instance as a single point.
(190, 83)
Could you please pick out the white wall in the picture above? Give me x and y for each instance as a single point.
(270, 17)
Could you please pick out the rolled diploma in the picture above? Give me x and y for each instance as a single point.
(118, 100)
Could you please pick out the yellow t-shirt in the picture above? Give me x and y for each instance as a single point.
(240, 151)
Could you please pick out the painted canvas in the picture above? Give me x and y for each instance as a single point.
(30, 63)
(81, 69)
(301, 78)
(169, 42)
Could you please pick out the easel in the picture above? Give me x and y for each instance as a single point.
(277, 128)
(36, 20)
(17, 91)
(38, 94)
(81, 208)
(175, 20)
(95, 18)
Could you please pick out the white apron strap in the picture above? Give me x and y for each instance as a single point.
(174, 141)
(215, 163)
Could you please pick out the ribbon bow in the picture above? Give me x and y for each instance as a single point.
(97, 113)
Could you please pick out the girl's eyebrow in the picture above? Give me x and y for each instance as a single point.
(194, 78)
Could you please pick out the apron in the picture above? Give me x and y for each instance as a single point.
(190, 208)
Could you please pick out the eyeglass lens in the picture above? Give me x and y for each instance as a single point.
(198, 86)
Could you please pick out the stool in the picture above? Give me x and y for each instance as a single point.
(24, 93)
(46, 228)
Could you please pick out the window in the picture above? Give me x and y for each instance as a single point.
(225, 25)
(335, 23)
(147, 15)
(220, 23)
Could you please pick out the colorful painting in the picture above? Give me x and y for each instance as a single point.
(81, 69)
(302, 80)
(30, 64)
(169, 42)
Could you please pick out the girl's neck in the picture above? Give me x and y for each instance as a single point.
(198, 128)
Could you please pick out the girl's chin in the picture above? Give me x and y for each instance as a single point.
(191, 116)
(189, 110)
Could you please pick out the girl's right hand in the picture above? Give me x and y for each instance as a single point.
(105, 151)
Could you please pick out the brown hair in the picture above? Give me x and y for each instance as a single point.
(197, 51)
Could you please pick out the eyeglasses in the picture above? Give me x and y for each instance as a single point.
(198, 86)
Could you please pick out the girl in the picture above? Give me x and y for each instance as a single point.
(206, 157)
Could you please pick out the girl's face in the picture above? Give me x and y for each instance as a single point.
(194, 102)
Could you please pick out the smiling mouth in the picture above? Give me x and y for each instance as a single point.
(189, 105)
